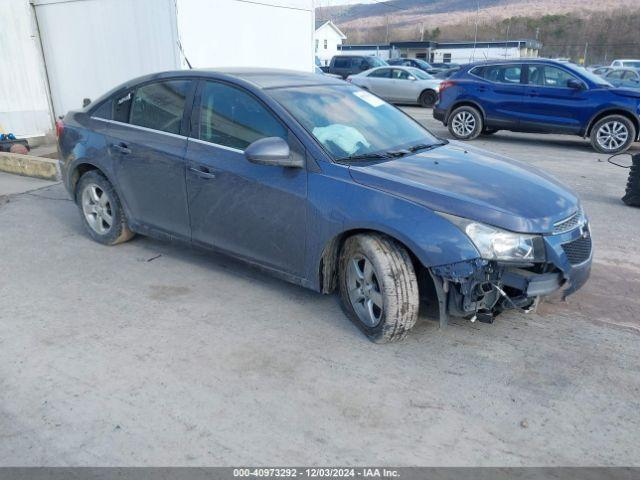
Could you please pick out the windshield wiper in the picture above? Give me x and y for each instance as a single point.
(363, 156)
(425, 146)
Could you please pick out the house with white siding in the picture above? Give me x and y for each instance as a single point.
(327, 40)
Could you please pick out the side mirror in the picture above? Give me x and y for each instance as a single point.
(364, 67)
(573, 83)
(85, 102)
(412, 78)
(272, 151)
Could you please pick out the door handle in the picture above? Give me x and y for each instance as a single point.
(203, 171)
(121, 148)
(534, 93)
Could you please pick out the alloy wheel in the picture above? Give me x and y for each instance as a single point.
(463, 124)
(96, 206)
(612, 135)
(364, 291)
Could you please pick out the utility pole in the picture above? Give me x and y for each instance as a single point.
(584, 58)
(475, 38)
(387, 41)
(506, 44)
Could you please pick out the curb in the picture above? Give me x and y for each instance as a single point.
(29, 166)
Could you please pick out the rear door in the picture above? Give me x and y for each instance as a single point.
(342, 66)
(402, 87)
(500, 90)
(148, 144)
(379, 82)
(257, 212)
(550, 104)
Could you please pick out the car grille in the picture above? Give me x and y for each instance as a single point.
(567, 225)
(578, 251)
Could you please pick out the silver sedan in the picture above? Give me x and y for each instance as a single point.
(399, 84)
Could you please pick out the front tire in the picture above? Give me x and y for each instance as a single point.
(465, 123)
(378, 287)
(101, 210)
(613, 134)
(428, 98)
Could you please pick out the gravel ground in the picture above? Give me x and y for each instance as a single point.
(152, 353)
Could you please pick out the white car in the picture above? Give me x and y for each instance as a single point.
(399, 84)
(626, 62)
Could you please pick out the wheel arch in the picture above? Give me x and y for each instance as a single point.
(613, 111)
(327, 269)
(466, 103)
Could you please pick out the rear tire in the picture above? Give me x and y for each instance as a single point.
(465, 123)
(378, 287)
(428, 98)
(101, 210)
(613, 134)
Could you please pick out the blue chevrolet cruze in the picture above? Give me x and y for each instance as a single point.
(539, 96)
(326, 186)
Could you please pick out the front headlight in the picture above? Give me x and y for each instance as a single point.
(496, 244)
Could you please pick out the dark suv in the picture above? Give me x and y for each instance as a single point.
(345, 65)
(542, 96)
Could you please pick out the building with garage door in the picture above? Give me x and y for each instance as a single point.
(50, 60)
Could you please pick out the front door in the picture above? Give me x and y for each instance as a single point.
(148, 148)
(550, 103)
(257, 212)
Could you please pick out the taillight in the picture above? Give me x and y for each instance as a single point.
(446, 84)
(59, 127)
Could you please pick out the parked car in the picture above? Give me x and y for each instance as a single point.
(632, 63)
(399, 84)
(446, 66)
(415, 63)
(541, 96)
(602, 71)
(624, 77)
(327, 186)
(345, 65)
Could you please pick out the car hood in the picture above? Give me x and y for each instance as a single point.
(475, 184)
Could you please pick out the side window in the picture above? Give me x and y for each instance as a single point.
(341, 62)
(105, 110)
(234, 118)
(400, 74)
(499, 73)
(121, 107)
(547, 76)
(382, 73)
(160, 105)
(630, 75)
(615, 74)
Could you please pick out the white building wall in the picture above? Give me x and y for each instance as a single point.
(24, 106)
(234, 33)
(91, 46)
(467, 55)
(326, 43)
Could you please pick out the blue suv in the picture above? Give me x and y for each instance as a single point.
(539, 96)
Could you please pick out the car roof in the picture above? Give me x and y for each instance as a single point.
(517, 60)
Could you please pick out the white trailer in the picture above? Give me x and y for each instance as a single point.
(82, 48)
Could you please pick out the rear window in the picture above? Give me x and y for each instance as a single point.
(105, 110)
(160, 105)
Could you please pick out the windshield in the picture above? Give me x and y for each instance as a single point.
(592, 77)
(416, 72)
(348, 121)
(422, 63)
(631, 63)
(377, 62)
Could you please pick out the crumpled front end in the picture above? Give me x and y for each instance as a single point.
(481, 289)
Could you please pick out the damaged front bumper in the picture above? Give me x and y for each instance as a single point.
(481, 289)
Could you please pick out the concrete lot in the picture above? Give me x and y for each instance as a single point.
(155, 354)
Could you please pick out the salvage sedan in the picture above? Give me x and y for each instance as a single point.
(326, 186)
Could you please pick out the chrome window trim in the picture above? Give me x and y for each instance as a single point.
(175, 135)
(224, 147)
(139, 127)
